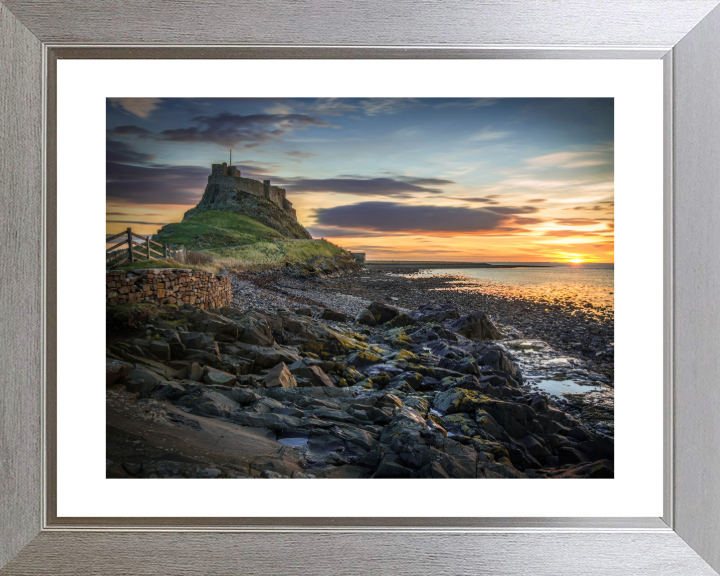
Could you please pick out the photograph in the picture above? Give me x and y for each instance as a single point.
(360, 288)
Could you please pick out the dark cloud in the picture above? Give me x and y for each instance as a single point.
(486, 200)
(299, 154)
(341, 232)
(128, 130)
(116, 151)
(393, 217)
(514, 209)
(426, 181)
(364, 186)
(155, 184)
(537, 200)
(232, 129)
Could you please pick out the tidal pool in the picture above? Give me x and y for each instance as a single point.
(290, 438)
(557, 387)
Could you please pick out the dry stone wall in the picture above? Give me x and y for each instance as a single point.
(169, 286)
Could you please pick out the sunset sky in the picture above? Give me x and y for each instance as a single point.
(403, 179)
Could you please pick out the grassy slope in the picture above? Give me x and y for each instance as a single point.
(212, 229)
(293, 252)
(298, 252)
(258, 209)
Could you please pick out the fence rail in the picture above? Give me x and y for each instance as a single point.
(135, 250)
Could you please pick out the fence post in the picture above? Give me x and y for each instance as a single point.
(164, 250)
(131, 257)
(147, 242)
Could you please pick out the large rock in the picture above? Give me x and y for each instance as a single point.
(316, 375)
(160, 349)
(366, 318)
(459, 400)
(195, 372)
(195, 340)
(329, 314)
(115, 369)
(256, 332)
(205, 402)
(400, 320)
(267, 357)
(497, 359)
(382, 312)
(266, 420)
(213, 376)
(280, 376)
(359, 359)
(143, 381)
(171, 391)
(432, 313)
(476, 326)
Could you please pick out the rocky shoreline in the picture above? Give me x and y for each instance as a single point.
(360, 375)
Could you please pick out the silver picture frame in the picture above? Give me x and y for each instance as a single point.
(34, 35)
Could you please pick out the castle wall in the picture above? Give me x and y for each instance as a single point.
(220, 183)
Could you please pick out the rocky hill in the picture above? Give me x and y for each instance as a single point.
(234, 211)
(255, 207)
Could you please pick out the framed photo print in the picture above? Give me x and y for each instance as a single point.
(443, 294)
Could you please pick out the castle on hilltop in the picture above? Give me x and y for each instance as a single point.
(224, 180)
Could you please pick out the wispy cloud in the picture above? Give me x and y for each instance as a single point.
(250, 130)
(375, 106)
(468, 103)
(361, 186)
(487, 134)
(570, 159)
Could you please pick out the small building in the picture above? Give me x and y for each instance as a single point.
(358, 256)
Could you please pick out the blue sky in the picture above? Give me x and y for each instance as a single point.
(451, 179)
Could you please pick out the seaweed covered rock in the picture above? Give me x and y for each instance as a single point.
(283, 394)
(382, 312)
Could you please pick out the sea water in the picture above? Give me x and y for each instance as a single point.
(580, 283)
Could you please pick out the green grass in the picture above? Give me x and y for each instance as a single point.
(264, 253)
(212, 229)
(300, 252)
(234, 241)
(166, 263)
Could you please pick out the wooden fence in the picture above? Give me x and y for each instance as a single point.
(129, 249)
